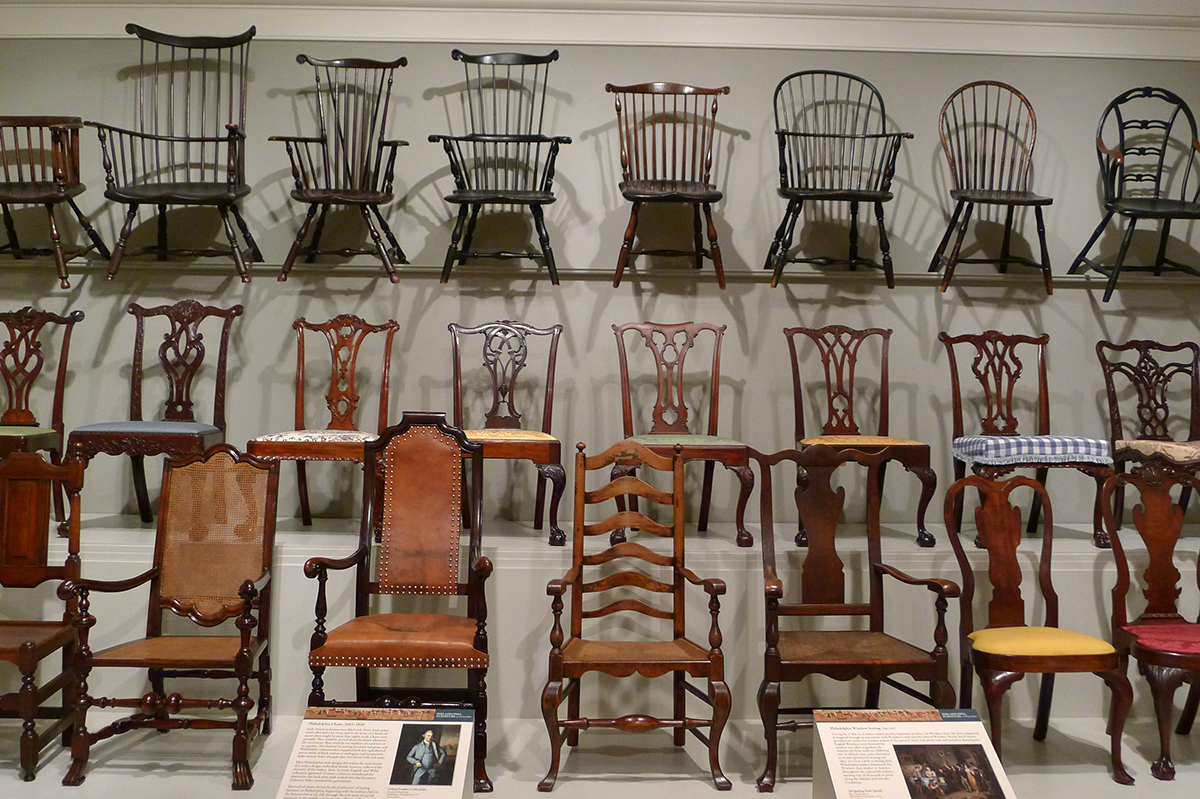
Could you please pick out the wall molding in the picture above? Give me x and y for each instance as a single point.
(1162, 30)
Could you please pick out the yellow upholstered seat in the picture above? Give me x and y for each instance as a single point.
(506, 434)
(1037, 641)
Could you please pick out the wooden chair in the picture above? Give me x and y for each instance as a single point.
(1165, 644)
(839, 348)
(1147, 146)
(1006, 648)
(22, 357)
(833, 147)
(620, 569)
(188, 146)
(350, 161)
(996, 364)
(417, 467)
(667, 131)
(870, 654)
(1152, 370)
(181, 355)
(26, 483)
(669, 344)
(506, 157)
(212, 566)
(39, 161)
(988, 131)
(505, 352)
(341, 439)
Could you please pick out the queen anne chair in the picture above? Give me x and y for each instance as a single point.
(417, 468)
(506, 158)
(39, 162)
(341, 439)
(833, 147)
(988, 131)
(181, 355)
(669, 344)
(1165, 644)
(212, 566)
(615, 578)
(996, 365)
(22, 357)
(840, 348)
(187, 148)
(667, 132)
(351, 161)
(505, 352)
(871, 654)
(1147, 146)
(1006, 647)
(26, 483)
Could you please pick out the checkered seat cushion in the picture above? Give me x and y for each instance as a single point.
(1005, 450)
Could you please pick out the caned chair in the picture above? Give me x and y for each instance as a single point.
(871, 654)
(988, 131)
(26, 483)
(505, 158)
(350, 161)
(612, 581)
(181, 355)
(1006, 647)
(341, 439)
(833, 147)
(417, 468)
(39, 164)
(504, 351)
(667, 132)
(188, 146)
(212, 566)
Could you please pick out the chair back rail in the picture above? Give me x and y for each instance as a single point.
(26, 484)
(40, 150)
(345, 334)
(996, 365)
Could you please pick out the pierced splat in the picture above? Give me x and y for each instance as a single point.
(1151, 376)
(22, 357)
(997, 367)
(670, 345)
(504, 356)
(344, 334)
(839, 347)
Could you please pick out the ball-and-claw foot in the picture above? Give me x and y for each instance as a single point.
(1163, 769)
(1100, 540)
(925, 538)
(557, 537)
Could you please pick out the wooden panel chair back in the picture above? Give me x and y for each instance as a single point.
(840, 348)
(505, 354)
(996, 364)
(667, 131)
(26, 484)
(988, 130)
(669, 345)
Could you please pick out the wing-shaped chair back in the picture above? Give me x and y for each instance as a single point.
(988, 130)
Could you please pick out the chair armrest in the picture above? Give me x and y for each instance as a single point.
(158, 137)
(298, 139)
(712, 586)
(773, 588)
(482, 567)
(1116, 155)
(71, 588)
(945, 588)
(501, 138)
(252, 588)
(393, 143)
(314, 566)
(559, 587)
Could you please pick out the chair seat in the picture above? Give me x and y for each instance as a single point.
(1181, 451)
(176, 651)
(24, 431)
(997, 197)
(862, 441)
(1037, 642)
(45, 637)
(583, 652)
(687, 191)
(342, 196)
(38, 191)
(1005, 450)
(500, 434)
(686, 440)
(196, 429)
(1155, 209)
(514, 196)
(318, 436)
(834, 195)
(847, 647)
(1181, 638)
(179, 193)
(422, 640)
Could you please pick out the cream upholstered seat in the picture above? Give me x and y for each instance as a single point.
(330, 436)
(1175, 450)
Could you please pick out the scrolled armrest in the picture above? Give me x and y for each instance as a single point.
(559, 587)
(298, 139)
(314, 566)
(1116, 155)
(72, 588)
(946, 588)
(713, 586)
(252, 588)
(482, 566)
(393, 143)
(773, 588)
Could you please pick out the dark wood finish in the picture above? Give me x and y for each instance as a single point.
(351, 161)
(187, 146)
(211, 568)
(505, 352)
(345, 334)
(1152, 371)
(22, 357)
(607, 577)
(1147, 146)
(833, 147)
(39, 161)
(999, 530)
(870, 654)
(1158, 522)
(416, 466)
(988, 131)
(506, 157)
(180, 355)
(840, 348)
(996, 363)
(667, 132)
(669, 345)
(26, 483)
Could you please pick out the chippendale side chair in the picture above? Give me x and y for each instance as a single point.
(504, 350)
(840, 348)
(341, 439)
